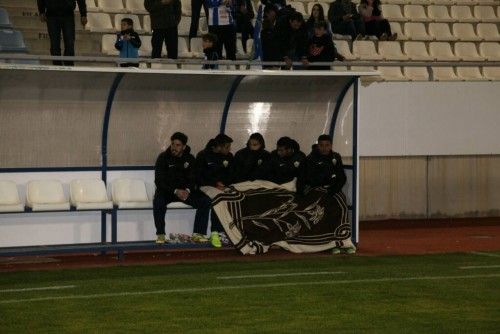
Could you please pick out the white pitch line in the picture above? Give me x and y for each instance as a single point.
(284, 275)
(479, 267)
(247, 286)
(58, 287)
(486, 254)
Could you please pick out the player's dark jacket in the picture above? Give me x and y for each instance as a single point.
(251, 165)
(213, 167)
(174, 172)
(325, 170)
(283, 170)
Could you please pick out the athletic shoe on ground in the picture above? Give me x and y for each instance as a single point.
(184, 238)
(174, 239)
(350, 250)
(215, 240)
(224, 239)
(336, 250)
(199, 238)
(160, 239)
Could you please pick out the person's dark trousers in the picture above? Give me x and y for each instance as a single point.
(378, 28)
(195, 16)
(216, 225)
(198, 200)
(246, 33)
(352, 28)
(66, 25)
(168, 35)
(226, 36)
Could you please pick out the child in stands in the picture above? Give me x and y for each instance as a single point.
(128, 42)
(321, 47)
(210, 51)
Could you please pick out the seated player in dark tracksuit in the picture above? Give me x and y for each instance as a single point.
(215, 168)
(286, 163)
(324, 168)
(175, 182)
(250, 162)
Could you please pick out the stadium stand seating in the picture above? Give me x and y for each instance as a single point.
(9, 197)
(4, 19)
(130, 193)
(416, 31)
(46, 195)
(488, 31)
(89, 194)
(416, 13)
(465, 32)
(439, 13)
(441, 32)
(365, 50)
(467, 51)
(111, 6)
(135, 7)
(11, 41)
(391, 51)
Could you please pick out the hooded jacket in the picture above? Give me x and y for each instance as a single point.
(251, 165)
(213, 167)
(61, 8)
(285, 169)
(325, 170)
(173, 173)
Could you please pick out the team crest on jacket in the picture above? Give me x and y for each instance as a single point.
(259, 162)
(334, 161)
(225, 163)
(186, 164)
(296, 164)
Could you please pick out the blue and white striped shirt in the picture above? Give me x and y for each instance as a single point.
(219, 14)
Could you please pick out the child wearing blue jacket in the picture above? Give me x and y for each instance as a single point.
(128, 42)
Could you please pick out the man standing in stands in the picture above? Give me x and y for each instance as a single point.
(221, 23)
(175, 182)
(345, 19)
(165, 17)
(287, 163)
(291, 38)
(215, 169)
(324, 168)
(59, 16)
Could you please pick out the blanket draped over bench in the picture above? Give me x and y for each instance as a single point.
(259, 214)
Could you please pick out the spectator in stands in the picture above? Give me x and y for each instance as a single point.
(270, 50)
(324, 168)
(345, 19)
(286, 163)
(215, 169)
(195, 16)
(291, 38)
(128, 42)
(251, 161)
(209, 41)
(175, 182)
(221, 23)
(317, 15)
(60, 17)
(165, 17)
(243, 15)
(321, 47)
(278, 4)
(375, 23)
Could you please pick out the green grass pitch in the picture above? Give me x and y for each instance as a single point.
(452, 293)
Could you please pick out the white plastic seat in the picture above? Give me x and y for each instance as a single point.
(111, 6)
(108, 45)
(417, 51)
(416, 13)
(89, 194)
(485, 14)
(462, 14)
(203, 28)
(469, 73)
(135, 6)
(186, 8)
(396, 29)
(240, 53)
(299, 7)
(46, 195)
(393, 13)
(465, 32)
(444, 2)
(441, 32)
(146, 23)
(491, 73)
(182, 47)
(416, 73)
(184, 26)
(439, 14)
(441, 51)
(391, 73)
(130, 193)
(444, 74)
(135, 19)
(365, 50)
(91, 7)
(156, 66)
(391, 51)
(178, 205)
(343, 48)
(99, 22)
(146, 47)
(197, 47)
(467, 51)
(9, 197)
(488, 31)
(417, 32)
(490, 51)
